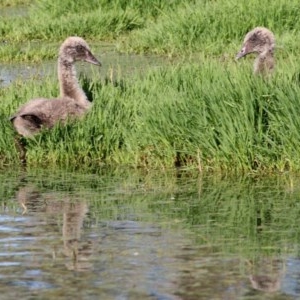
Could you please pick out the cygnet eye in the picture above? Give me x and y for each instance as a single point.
(253, 38)
(80, 48)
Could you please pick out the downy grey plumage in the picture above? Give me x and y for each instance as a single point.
(261, 41)
(45, 113)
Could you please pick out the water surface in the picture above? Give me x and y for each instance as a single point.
(129, 235)
(115, 65)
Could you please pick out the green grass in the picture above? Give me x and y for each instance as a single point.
(193, 115)
(105, 20)
(172, 28)
(203, 111)
(214, 27)
(12, 3)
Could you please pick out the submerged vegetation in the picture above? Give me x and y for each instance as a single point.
(203, 111)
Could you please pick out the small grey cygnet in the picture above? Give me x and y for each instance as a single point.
(45, 113)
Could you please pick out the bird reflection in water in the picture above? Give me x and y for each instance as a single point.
(68, 208)
(267, 274)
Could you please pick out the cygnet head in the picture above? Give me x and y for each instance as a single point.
(258, 40)
(76, 49)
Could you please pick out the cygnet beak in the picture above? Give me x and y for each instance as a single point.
(89, 57)
(241, 53)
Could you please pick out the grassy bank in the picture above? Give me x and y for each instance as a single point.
(200, 116)
(204, 111)
(173, 28)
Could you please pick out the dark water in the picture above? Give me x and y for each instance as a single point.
(135, 235)
(115, 65)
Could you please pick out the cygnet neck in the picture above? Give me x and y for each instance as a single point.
(265, 62)
(69, 86)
